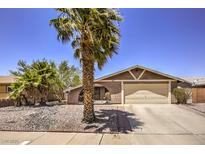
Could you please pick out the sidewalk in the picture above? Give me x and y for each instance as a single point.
(48, 138)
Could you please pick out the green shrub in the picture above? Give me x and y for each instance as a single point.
(182, 95)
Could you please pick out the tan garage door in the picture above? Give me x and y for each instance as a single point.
(146, 93)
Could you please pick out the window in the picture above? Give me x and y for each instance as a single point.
(9, 89)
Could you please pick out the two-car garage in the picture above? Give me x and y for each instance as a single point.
(146, 93)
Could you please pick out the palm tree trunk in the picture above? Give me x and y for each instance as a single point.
(88, 77)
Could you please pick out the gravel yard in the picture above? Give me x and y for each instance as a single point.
(63, 118)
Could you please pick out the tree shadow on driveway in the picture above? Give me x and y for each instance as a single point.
(114, 121)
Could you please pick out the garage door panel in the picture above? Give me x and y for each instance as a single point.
(146, 101)
(146, 93)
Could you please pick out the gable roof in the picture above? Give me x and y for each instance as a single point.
(8, 79)
(143, 68)
(131, 68)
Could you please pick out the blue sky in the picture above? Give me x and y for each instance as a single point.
(168, 40)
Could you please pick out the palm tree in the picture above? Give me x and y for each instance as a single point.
(94, 36)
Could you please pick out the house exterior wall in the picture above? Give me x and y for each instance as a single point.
(174, 85)
(115, 90)
(72, 96)
(149, 75)
(137, 72)
(3, 91)
(113, 87)
(122, 76)
(4, 95)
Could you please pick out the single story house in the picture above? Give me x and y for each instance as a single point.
(134, 85)
(5, 82)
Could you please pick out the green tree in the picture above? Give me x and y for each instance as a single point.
(68, 76)
(43, 81)
(34, 83)
(95, 38)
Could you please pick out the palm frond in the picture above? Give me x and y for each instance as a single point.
(93, 32)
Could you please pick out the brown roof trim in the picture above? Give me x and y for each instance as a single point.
(131, 68)
(8, 79)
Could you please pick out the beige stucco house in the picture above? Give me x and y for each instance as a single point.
(5, 82)
(134, 85)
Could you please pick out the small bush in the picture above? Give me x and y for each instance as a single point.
(182, 95)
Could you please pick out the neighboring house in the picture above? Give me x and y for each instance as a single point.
(5, 82)
(132, 86)
(198, 89)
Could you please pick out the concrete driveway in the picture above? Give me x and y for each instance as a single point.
(151, 124)
(167, 119)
